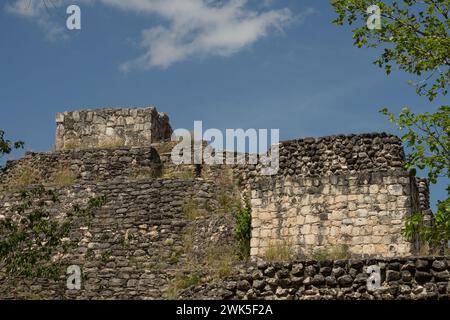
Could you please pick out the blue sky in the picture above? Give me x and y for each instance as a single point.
(267, 64)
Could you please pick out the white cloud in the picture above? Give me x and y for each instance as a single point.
(39, 12)
(191, 28)
(199, 28)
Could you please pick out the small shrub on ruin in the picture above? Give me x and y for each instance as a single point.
(230, 200)
(243, 229)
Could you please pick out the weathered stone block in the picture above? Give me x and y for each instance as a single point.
(104, 127)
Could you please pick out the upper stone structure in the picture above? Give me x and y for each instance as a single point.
(111, 127)
(333, 198)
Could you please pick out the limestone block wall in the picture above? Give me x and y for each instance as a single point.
(345, 190)
(363, 212)
(111, 127)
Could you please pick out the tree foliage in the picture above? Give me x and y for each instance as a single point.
(32, 241)
(414, 36)
(6, 146)
(427, 136)
(242, 231)
(437, 234)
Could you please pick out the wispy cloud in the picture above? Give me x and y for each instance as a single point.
(190, 28)
(38, 12)
(199, 28)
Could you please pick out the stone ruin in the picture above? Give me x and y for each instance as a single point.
(343, 190)
(111, 127)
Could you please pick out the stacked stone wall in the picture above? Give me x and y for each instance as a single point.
(122, 163)
(111, 127)
(339, 191)
(414, 278)
(162, 222)
(132, 247)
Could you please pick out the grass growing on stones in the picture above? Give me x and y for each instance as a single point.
(242, 230)
(72, 145)
(164, 147)
(332, 253)
(64, 177)
(215, 260)
(183, 172)
(181, 282)
(105, 256)
(27, 176)
(145, 173)
(111, 143)
(230, 200)
(219, 260)
(188, 240)
(192, 209)
(68, 145)
(278, 251)
(33, 296)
